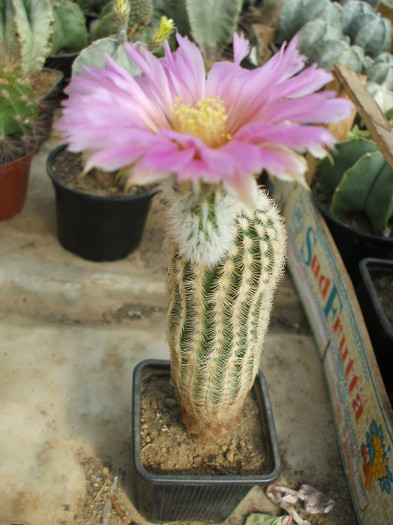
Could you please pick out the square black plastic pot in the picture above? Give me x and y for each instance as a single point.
(205, 498)
(378, 325)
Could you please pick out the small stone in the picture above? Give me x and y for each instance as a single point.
(105, 471)
(170, 402)
(229, 455)
(144, 426)
(153, 405)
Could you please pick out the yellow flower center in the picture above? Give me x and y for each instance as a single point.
(207, 120)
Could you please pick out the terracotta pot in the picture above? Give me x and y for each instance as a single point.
(14, 178)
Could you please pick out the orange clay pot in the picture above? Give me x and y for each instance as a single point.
(14, 178)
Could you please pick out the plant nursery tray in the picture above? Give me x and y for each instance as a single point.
(362, 410)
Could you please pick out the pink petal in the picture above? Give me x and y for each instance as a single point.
(241, 48)
(318, 107)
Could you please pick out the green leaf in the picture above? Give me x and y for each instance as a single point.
(213, 22)
(33, 23)
(342, 158)
(69, 30)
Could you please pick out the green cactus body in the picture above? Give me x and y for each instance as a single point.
(218, 316)
(381, 70)
(18, 108)
(141, 11)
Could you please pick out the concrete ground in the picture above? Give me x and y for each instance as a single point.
(72, 332)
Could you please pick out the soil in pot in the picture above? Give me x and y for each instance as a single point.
(167, 448)
(67, 168)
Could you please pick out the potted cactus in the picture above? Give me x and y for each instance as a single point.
(96, 225)
(203, 137)
(18, 138)
(354, 192)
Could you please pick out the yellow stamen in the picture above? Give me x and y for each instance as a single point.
(207, 120)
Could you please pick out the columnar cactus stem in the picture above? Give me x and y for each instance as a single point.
(218, 317)
(18, 107)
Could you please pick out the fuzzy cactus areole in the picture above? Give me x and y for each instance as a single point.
(203, 137)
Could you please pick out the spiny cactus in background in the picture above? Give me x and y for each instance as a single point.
(209, 24)
(18, 107)
(115, 22)
(25, 31)
(141, 11)
(360, 180)
(219, 313)
(18, 115)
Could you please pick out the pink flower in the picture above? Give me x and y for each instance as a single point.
(221, 127)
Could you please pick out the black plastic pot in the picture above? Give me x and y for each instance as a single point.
(354, 245)
(62, 63)
(206, 498)
(98, 228)
(378, 325)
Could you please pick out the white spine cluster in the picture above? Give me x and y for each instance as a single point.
(202, 221)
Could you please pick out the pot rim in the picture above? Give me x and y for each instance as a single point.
(206, 479)
(30, 153)
(88, 196)
(355, 232)
(364, 267)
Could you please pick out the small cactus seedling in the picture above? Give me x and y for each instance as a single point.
(18, 107)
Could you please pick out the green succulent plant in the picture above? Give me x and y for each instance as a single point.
(209, 24)
(219, 312)
(18, 114)
(366, 28)
(31, 30)
(360, 180)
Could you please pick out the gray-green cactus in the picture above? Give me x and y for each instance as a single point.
(380, 70)
(324, 43)
(360, 180)
(18, 106)
(219, 313)
(296, 13)
(366, 28)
